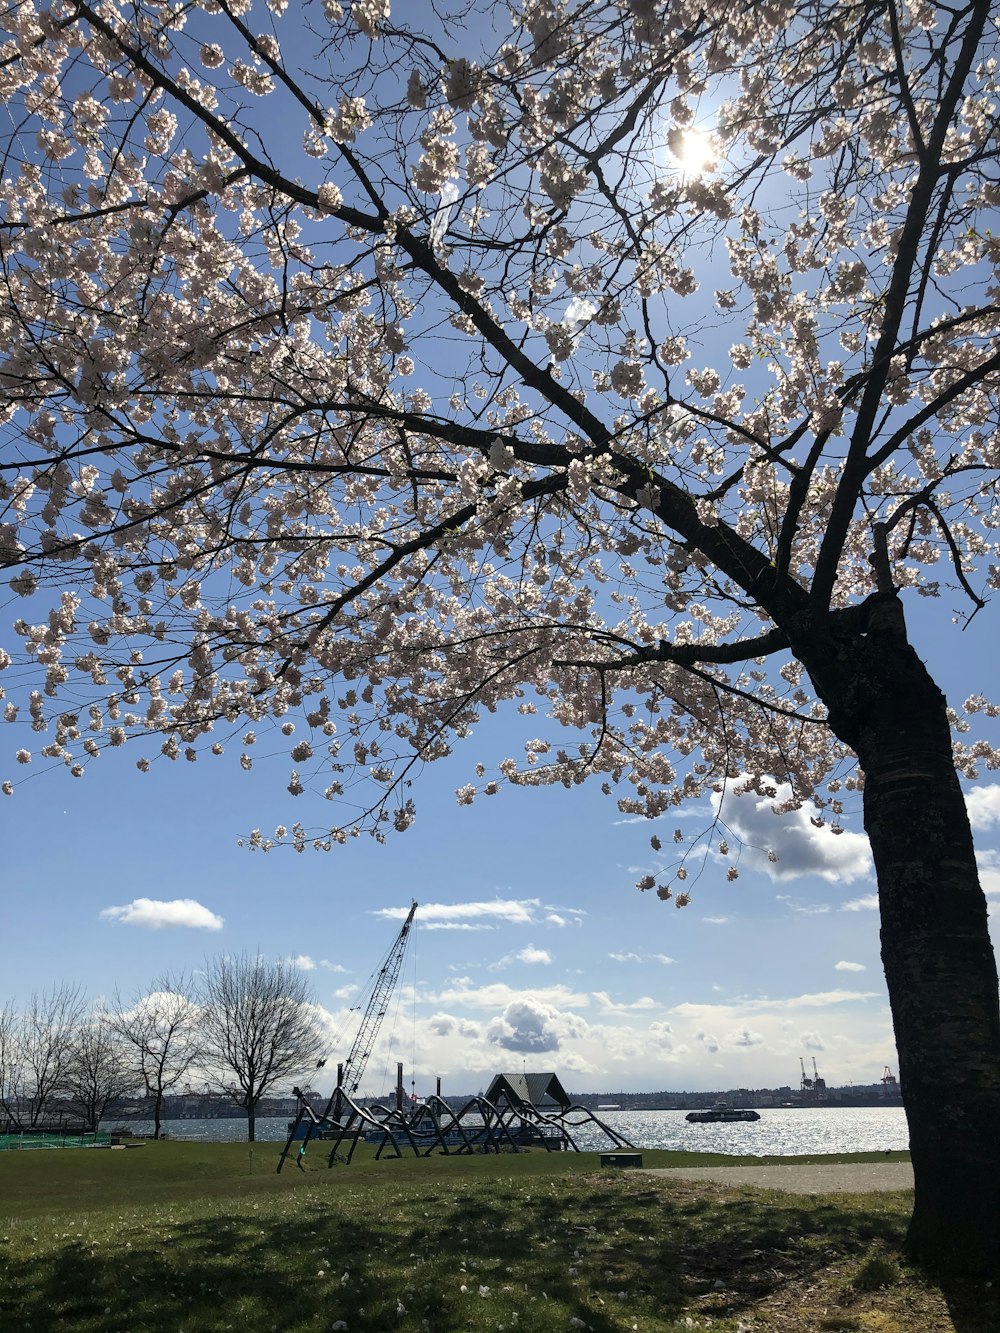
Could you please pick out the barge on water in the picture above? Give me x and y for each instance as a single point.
(721, 1113)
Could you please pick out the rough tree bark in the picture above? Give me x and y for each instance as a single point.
(939, 962)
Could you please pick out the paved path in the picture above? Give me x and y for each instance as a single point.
(836, 1178)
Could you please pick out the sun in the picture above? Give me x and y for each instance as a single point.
(695, 150)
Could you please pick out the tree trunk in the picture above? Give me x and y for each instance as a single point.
(939, 963)
(157, 1113)
(252, 1122)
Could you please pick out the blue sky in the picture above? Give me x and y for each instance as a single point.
(532, 943)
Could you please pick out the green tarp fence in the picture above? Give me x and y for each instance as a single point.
(16, 1142)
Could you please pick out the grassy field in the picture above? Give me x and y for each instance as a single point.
(190, 1237)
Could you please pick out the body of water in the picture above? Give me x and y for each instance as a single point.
(780, 1132)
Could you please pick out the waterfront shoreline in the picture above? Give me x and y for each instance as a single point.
(780, 1132)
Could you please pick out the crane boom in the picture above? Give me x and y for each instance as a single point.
(352, 1070)
(378, 1004)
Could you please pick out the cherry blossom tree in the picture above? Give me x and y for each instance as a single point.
(632, 366)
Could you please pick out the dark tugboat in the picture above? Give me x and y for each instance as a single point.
(721, 1112)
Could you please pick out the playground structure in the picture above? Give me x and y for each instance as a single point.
(509, 1124)
(518, 1112)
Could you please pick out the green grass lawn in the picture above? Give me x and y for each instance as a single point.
(185, 1236)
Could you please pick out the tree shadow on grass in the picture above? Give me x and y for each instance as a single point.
(974, 1306)
(461, 1256)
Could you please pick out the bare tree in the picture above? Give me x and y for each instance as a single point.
(11, 1080)
(257, 1027)
(99, 1068)
(49, 1028)
(161, 1026)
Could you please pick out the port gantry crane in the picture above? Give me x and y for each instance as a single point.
(351, 1072)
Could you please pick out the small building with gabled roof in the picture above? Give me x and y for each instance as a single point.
(542, 1090)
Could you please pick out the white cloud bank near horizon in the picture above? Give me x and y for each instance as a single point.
(597, 1043)
(157, 914)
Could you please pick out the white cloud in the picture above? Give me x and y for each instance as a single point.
(444, 1025)
(329, 1025)
(801, 848)
(532, 955)
(529, 1025)
(160, 1003)
(156, 914)
(983, 805)
(989, 872)
(303, 962)
(497, 995)
(564, 916)
(814, 1000)
(821, 999)
(867, 904)
(716, 920)
(619, 1007)
(662, 1034)
(744, 1037)
(804, 909)
(514, 911)
(331, 967)
(529, 954)
(455, 925)
(345, 992)
(845, 966)
(811, 1041)
(626, 957)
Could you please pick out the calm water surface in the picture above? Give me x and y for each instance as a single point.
(781, 1132)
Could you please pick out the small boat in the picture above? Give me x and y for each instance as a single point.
(721, 1112)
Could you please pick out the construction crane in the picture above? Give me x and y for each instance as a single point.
(375, 1011)
(351, 1072)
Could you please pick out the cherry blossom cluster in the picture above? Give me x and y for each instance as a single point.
(359, 379)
